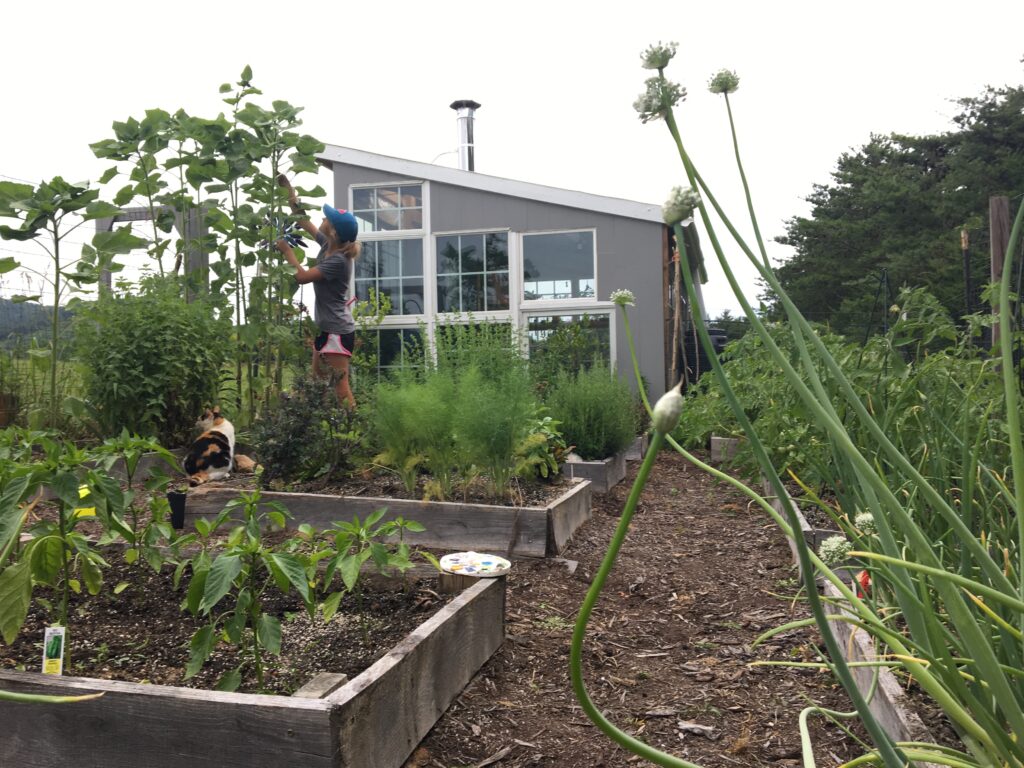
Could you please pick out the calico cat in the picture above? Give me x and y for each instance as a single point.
(212, 454)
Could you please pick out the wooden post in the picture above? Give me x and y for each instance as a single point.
(999, 235)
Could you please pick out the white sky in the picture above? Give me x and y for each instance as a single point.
(556, 81)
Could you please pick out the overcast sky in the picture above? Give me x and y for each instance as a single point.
(556, 81)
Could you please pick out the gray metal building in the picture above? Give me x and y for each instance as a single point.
(443, 242)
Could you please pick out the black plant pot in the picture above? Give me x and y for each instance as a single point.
(177, 501)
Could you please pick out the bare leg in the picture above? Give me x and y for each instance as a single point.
(340, 365)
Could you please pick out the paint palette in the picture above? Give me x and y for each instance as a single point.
(475, 564)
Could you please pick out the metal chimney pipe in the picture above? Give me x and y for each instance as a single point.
(465, 110)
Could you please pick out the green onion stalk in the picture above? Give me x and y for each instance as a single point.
(982, 730)
(963, 641)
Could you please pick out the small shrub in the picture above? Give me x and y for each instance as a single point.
(152, 360)
(492, 418)
(308, 435)
(596, 411)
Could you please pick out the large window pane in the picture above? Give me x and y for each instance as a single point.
(395, 269)
(412, 257)
(497, 291)
(558, 265)
(447, 255)
(569, 341)
(448, 294)
(472, 272)
(472, 253)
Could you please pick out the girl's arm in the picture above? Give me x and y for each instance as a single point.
(297, 209)
(302, 275)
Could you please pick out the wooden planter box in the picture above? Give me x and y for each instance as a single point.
(372, 721)
(723, 448)
(888, 704)
(522, 531)
(813, 536)
(638, 449)
(603, 475)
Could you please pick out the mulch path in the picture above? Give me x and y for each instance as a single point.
(667, 654)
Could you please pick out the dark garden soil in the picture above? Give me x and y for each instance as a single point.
(142, 634)
(667, 655)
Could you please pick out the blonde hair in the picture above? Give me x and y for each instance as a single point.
(350, 249)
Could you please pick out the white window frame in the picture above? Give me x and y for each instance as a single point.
(424, 188)
(429, 299)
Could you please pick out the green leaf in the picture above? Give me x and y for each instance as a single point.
(296, 573)
(19, 299)
(47, 559)
(15, 596)
(229, 681)
(246, 75)
(108, 175)
(331, 605)
(65, 487)
(201, 645)
(196, 588)
(9, 233)
(100, 210)
(268, 630)
(120, 587)
(11, 515)
(92, 574)
(220, 580)
(350, 571)
(7, 264)
(131, 555)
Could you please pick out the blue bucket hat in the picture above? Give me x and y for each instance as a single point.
(344, 223)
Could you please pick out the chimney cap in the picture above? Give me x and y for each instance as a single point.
(464, 104)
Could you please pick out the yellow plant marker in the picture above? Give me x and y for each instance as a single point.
(53, 650)
(83, 492)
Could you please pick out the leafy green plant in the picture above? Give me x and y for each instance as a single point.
(595, 411)
(59, 555)
(368, 540)
(493, 416)
(231, 588)
(396, 407)
(161, 359)
(145, 536)
(308, 435)
(49, 210)
(542, 452)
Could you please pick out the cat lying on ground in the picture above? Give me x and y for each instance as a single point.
(212, 454)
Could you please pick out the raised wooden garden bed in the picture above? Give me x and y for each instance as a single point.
(373, 721)
(521, 531)
(723, 448)
(888, 704)
(603, 475)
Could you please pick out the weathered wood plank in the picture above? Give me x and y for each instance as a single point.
(163, 726)
(449, 525)
(889, 704)
(565, 515)
(382, 714)
(322, 684)
(603, 475)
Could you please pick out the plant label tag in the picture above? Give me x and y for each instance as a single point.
(53, 651)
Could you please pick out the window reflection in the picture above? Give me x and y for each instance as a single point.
(558, 265)
(472, 272)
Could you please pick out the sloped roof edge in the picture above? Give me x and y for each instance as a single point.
(412, 169)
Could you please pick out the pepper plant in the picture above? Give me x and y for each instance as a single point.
(230, 589)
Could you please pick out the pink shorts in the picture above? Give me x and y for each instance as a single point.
(335, 343)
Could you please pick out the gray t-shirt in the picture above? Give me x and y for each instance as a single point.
(331, 311)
